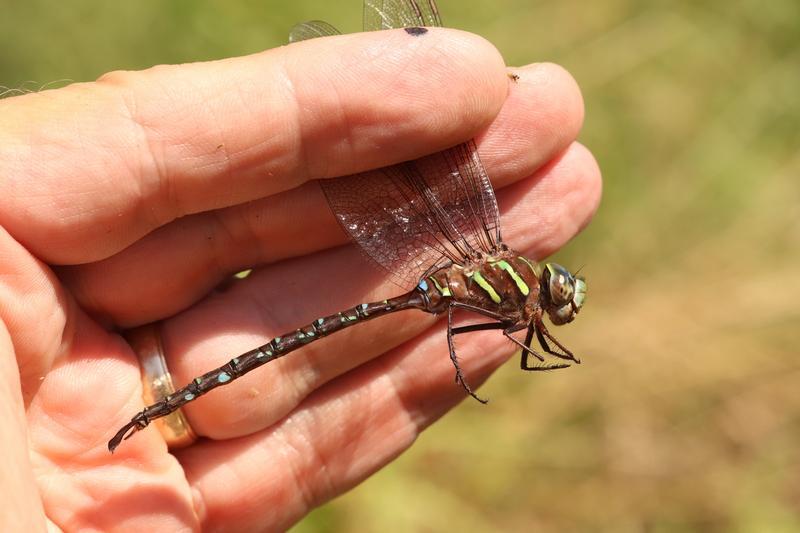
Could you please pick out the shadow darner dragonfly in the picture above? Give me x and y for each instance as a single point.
(433, 224)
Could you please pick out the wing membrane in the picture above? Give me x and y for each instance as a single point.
(414, 215)
(311, 30)
(388, 14)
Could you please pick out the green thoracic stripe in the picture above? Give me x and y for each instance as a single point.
(521, 285)
(445, 291)
(483, 284)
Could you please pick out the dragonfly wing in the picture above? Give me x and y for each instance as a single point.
(311, 30)
(411, 216)
(388, 14)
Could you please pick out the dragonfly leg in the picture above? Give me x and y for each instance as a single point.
(541, 332)
(527, 351)
(541, 367)
(478, 327)
(479, 310)
(526, 347)
(450, 333)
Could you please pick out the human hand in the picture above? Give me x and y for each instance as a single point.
(131, 199)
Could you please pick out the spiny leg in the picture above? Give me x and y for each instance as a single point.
(478, 310)
(459, 375)
(526, 347)
(543, 368)
(541, 332)
(478, 327)
(527, 351)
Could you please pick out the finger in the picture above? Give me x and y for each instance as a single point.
(285, 296)
(342, 434)
(89, 169)
(540, 118)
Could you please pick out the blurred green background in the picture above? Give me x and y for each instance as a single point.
(686, 413)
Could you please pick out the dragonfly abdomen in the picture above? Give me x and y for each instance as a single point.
(274, 349)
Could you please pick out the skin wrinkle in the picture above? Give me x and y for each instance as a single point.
(303, 420)
(299, 144)
(299, 458)
(167, 205)
(343, 131)
(295, 386)
(443, 62)
(230, 239)
(319, 470)
(306, 374)
(386, 387)
(33, 365)
(264, 143)
(60, 345)
(171, 200)
(222, 145)
(124, 88)
(388, 371)
(345, 135)
(398, 396)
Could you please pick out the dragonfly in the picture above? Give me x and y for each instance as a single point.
(433, 225)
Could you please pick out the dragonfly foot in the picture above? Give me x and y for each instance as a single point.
(460, 380)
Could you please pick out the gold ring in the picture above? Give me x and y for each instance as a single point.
(157, 384)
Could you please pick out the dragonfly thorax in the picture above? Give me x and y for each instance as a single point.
(504, 283)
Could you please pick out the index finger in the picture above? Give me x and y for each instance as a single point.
(89, 169)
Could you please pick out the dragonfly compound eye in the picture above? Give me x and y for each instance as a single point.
(560, 284)
(580, 292)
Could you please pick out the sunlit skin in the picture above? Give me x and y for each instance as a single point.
(99, 177)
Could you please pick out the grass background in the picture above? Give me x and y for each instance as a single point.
(686, 413)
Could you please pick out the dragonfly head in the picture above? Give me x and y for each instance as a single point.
(564, 293)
